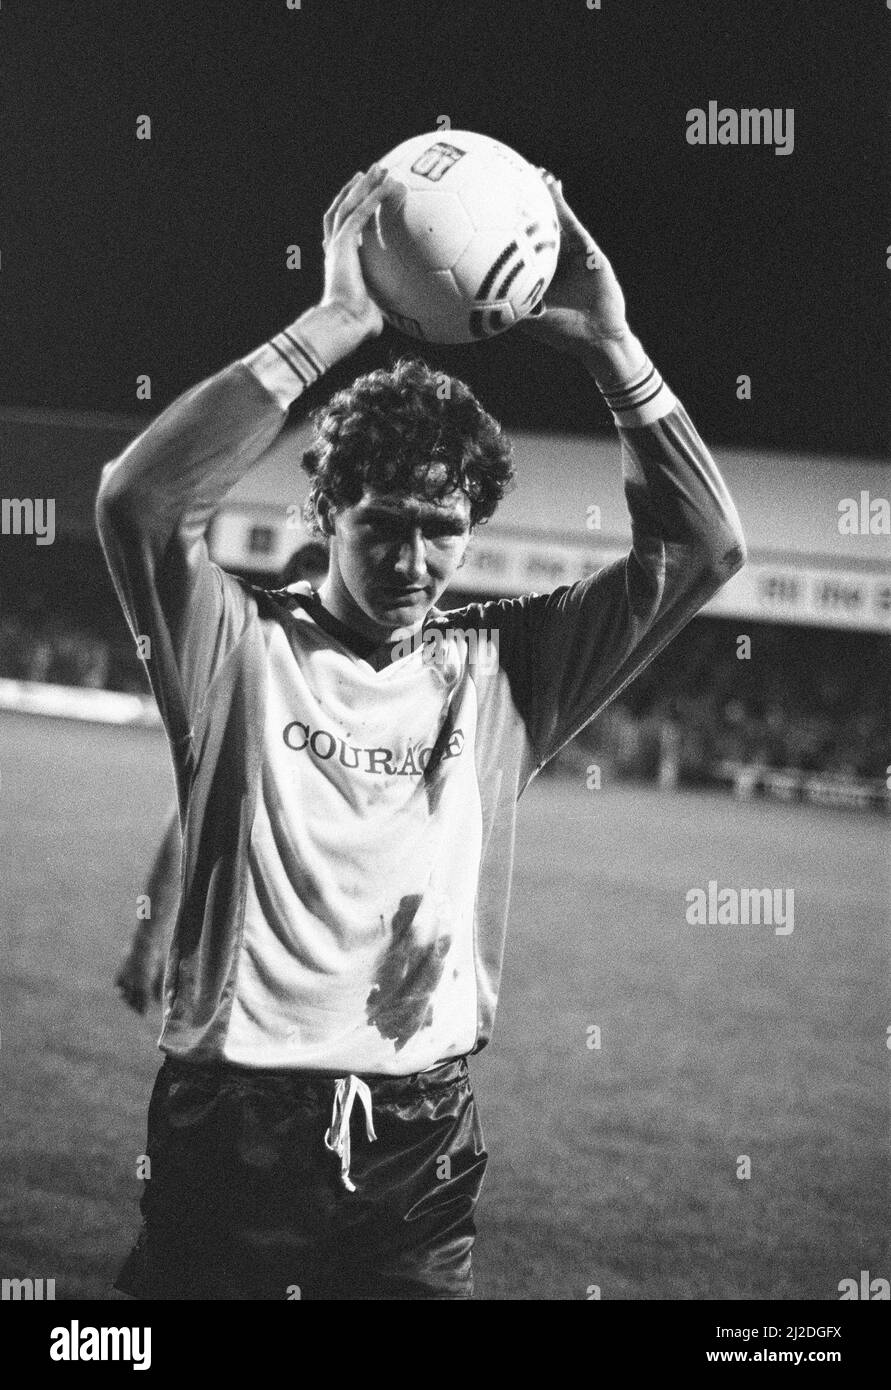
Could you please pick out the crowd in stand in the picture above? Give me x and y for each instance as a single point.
(53, 652)
(813, 700)
(688, 738)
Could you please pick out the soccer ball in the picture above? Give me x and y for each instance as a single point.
(470, 248)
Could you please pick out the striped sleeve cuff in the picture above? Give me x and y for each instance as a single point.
(287, 364)
(641, 400)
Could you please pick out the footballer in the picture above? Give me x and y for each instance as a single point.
(348, 805)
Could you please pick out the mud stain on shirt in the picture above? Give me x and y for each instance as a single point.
(398, 1005)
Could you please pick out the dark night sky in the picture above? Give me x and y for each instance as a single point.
(121, 256)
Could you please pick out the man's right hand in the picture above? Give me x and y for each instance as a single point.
(345, 290)
(141, 975)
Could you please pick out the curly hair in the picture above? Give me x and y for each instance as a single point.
(410, 429)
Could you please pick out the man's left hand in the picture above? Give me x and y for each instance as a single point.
(584, 307)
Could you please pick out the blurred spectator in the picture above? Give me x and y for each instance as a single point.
(309, 561)
(671, 745)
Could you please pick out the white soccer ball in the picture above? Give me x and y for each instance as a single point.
(472, 246)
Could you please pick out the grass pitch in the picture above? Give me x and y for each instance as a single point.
(613, 1166)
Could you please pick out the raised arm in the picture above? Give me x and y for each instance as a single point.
(568, 653)
(155, 502)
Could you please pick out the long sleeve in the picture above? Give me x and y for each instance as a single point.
(152, 511)
(155, 503)
(568, 653)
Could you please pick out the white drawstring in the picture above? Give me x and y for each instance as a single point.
(348, 1087)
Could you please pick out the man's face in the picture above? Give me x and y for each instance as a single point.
(395, 552)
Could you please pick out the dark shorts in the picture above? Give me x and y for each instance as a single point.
(245, 1201)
